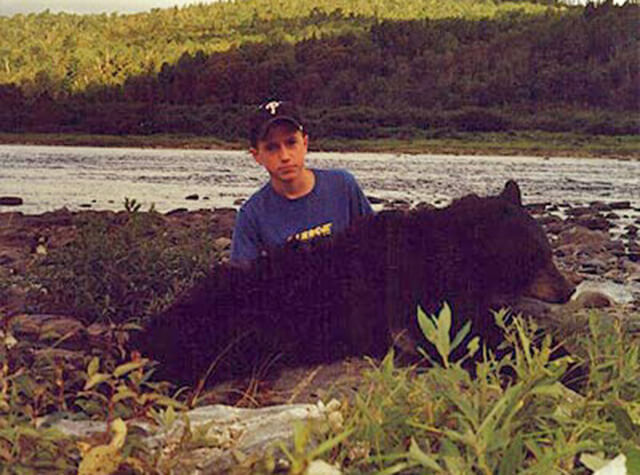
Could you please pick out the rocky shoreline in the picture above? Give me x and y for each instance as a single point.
(596, 241)
(595, 246)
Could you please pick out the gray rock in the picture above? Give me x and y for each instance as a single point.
(631, 229)
(581, 211)
(595, 222)
(593, 266)
(11, 201)
(593, 299)
(599, 206)
(231, 434)
(536, 208)
(620, 205)
(46, 326)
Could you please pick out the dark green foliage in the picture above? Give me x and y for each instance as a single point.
(122, 267)
(42, 381)
(443, 421)
(467, 66)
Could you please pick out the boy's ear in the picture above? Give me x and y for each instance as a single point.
(254, 152)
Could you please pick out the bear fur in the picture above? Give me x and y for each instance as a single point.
(304, 305)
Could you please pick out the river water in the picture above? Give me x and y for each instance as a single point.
(48, 178)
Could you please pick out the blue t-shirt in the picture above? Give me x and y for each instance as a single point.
(267, 219)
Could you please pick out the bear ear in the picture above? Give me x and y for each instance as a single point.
(511, 193)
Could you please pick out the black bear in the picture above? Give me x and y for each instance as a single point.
(341, 297)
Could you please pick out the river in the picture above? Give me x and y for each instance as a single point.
(48, 177)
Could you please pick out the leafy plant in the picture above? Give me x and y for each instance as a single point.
(513, 415)
(441, 420)
(122, 267)
(437, 331)
(124, 392)
(305, 452)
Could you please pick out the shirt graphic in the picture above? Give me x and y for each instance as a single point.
(323, 230)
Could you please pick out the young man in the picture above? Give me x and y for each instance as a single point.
(297, 203)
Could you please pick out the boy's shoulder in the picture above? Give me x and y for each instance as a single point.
(334, 174)
(257, 199)
(266, 196)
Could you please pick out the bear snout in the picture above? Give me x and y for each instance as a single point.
(549, 285)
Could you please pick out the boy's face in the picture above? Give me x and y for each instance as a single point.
(282, 152)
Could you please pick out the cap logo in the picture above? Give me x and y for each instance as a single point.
(272, 107)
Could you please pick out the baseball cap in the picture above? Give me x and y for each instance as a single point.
(268, 114)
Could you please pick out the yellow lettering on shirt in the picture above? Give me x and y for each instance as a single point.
(308, 234)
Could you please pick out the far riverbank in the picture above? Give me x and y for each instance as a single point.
(534, 143)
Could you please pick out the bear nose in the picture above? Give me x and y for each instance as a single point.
(549, 285)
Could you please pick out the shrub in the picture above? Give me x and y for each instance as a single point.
(122, 267)
(480, 120)
(442, 420)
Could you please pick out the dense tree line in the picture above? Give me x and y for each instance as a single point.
(63, 53)
(376, 68)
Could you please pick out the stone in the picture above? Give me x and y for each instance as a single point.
(593, 299)
(599, 206)
(594, 222)
(45, 326)
(620, 205)
(11, 201)
(579, 211)
(320, 467)
(536, 208)
(587, 240)
(235, 435)
(631, 230)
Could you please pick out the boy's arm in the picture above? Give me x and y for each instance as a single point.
(360, 205)
(245, 241)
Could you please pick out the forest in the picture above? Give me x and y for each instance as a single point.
(358, 69)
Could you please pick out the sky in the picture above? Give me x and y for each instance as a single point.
(11, 7)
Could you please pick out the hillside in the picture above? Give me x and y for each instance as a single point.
(76, 52)
(359, 69)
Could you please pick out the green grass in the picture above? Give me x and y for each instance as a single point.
(534, 143)
(142, 141)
